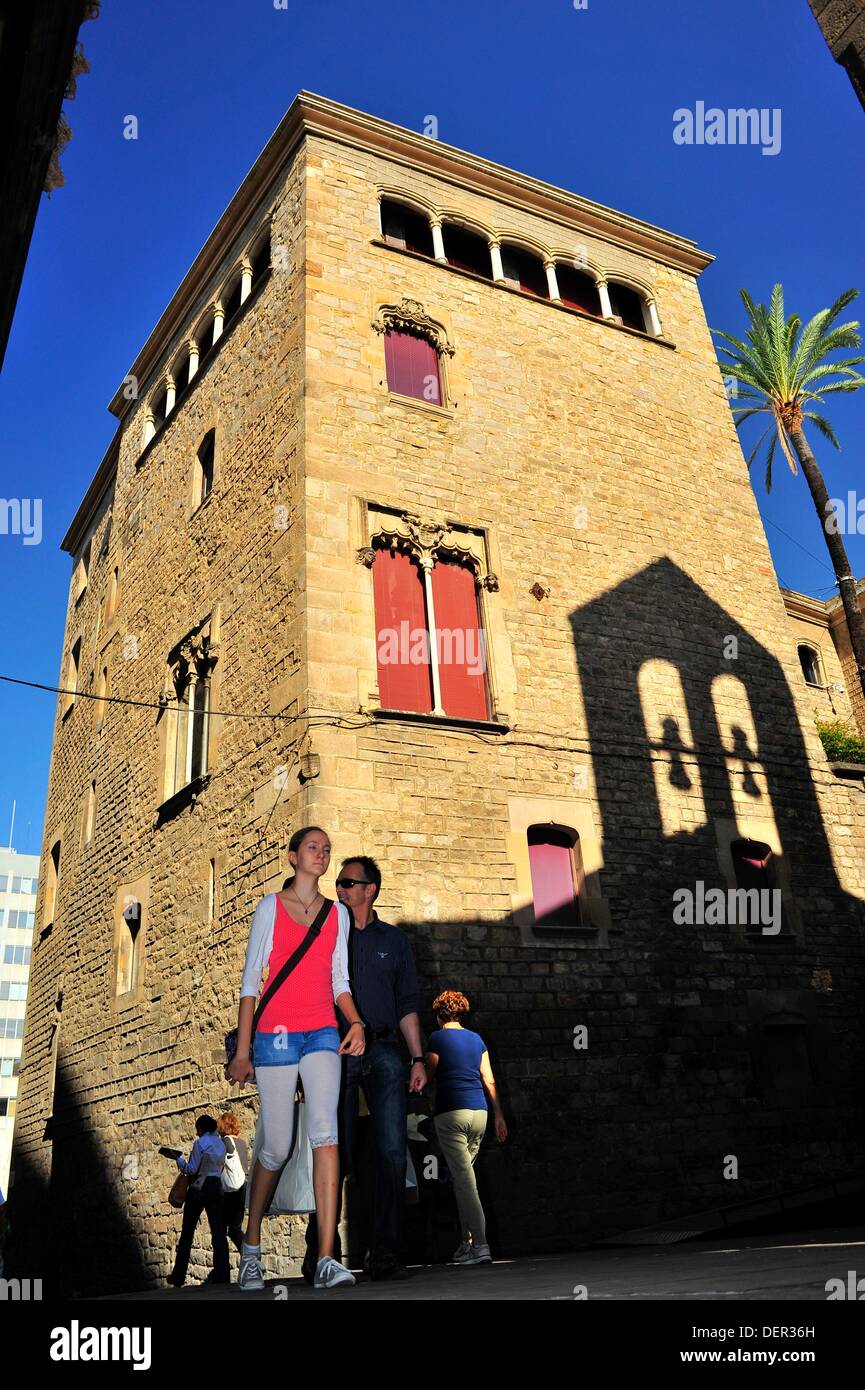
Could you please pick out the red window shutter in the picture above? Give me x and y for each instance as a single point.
(400, 619)
(460, 641)
(551, 857)
(412, 366)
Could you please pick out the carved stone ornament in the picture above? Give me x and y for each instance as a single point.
(425, 541)
(366, 556)
(194, 651)
(539, 590)
(410, 314)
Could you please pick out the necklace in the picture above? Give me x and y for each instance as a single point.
(299, 899)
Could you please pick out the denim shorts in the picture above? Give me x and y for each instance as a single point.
(286, 1049)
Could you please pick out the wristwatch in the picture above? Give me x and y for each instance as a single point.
(418, 1059)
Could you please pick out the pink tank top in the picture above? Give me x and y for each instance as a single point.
(305, 1000)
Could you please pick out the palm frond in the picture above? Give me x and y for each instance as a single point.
(773, 443)
(822, 424)
(756, 449)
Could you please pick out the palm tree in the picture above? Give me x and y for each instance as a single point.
(784, 372)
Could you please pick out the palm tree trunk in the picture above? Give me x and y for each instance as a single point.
(837, 552)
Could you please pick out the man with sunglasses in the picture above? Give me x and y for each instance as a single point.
(384, 988)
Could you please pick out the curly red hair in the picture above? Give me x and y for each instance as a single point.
(451, 1006)
(228, 1123)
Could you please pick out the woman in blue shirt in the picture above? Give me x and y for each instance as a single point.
(459, 1060)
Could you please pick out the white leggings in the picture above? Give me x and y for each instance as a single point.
(320, 1073)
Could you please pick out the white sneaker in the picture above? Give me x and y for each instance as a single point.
(251, 1275)
(476, 1255)
(329, 1273)
(464, 1248)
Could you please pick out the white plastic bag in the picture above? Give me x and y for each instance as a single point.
(294, 1193)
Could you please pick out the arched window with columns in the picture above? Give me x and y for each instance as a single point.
(809, 660)
(525, 270)
(578, 289)
(187, 702)
(467, 249)
(406, 228)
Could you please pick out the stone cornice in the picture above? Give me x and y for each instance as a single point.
(314, 115)
(828, 612)
(475, 174)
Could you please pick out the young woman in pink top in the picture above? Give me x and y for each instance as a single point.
(297, 1032)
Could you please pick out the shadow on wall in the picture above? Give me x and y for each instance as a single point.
(662, 681)
(71, 1227)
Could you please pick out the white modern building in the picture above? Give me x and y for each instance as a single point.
(19, 877)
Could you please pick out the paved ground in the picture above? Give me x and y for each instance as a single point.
(766, 1268)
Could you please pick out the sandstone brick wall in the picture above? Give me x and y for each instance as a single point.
(624, 669)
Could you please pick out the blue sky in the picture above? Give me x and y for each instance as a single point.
(581, 97)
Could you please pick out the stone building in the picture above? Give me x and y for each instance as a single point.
(404, 389)
(828, 667)
(843, 26)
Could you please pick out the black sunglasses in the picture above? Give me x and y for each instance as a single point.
(351, 882)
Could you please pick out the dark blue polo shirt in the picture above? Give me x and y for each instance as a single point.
(382, 973)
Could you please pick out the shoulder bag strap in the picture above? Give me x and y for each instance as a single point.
(293, 960)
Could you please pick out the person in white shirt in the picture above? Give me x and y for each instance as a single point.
(204, 1166)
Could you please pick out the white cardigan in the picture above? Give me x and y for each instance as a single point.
(261, 942)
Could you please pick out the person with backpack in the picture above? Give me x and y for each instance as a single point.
(233, 1176)
(301, 939)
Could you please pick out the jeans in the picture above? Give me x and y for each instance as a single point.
(206, 1198)
(286, 1049)
(382, 1075)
